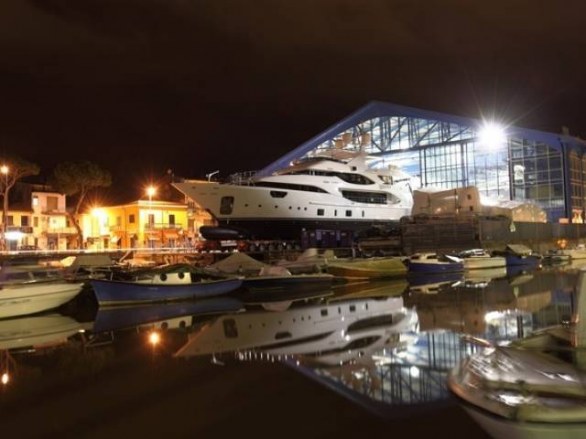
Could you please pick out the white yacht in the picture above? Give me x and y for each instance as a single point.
(315, 193)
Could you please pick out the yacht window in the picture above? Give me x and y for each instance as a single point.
(230, 329)
(349, 177)
(366, 197)
(278, 194)
(226, 205)
(386, 179)
(291, 186)
(348, 213)
(320, 212)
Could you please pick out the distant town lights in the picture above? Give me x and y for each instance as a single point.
(492, 135)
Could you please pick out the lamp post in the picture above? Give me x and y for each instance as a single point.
(4, 170)
(151, 190)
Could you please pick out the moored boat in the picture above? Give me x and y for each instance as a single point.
(166, 284)
(29, 290)
(518, 254)
(372, 268)
(434, 263)
(478, 258)
(532, 387)
(557, 256)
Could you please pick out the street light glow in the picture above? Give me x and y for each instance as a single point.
(4, 169)
(151, 190)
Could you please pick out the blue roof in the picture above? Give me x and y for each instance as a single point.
(376, 109)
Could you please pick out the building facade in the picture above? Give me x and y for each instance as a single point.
(439, 150)
(38, 220)
(143, 224)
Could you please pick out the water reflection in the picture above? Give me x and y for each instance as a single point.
(381, 344)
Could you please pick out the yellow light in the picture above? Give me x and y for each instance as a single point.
(154, 338)
(151, 190)
(5, 378)
(4, 169)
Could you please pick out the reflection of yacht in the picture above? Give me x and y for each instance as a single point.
(336, 194)
(532, 387)
(328, 327)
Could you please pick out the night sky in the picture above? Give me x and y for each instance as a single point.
(142, 86)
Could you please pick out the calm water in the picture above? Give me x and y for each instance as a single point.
(333, 363)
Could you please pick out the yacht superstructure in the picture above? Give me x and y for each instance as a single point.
(315, 193)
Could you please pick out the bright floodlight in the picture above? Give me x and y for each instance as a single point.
(4, 169)
(151, 190)
(5, 378)
(492, 135)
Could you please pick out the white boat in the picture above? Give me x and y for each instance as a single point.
(434, 263)
(479, 258)
(532, 387)
(579, 252)
(330, 328)
(29, 290)
(315, 193)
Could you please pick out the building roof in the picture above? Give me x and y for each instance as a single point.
(377, 109)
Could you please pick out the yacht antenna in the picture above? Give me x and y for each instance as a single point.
(211, 174)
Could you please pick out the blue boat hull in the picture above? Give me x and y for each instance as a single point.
(522, 260)
(114, 318)
(416, 267)
(110, 292)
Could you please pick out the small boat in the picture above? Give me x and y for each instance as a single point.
(371, 268)
(174, 282)
(479, 258)
(556, 257)
(28, 290)
(532, 387)
(434, 263)
(518, 254)
(578, 252)
(281, 279)
(260, 276)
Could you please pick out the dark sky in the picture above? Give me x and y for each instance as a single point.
(142, 86)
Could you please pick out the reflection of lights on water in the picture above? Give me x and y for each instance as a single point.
(154, 338)
(5, 378)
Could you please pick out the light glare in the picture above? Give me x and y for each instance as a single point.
(492, 135)
(5, 378)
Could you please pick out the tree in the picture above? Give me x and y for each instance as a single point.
(12, 169)
(71, 178)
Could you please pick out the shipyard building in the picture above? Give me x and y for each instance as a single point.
(505, 163)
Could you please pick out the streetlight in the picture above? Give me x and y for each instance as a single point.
(151, 190)
(4, 170)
